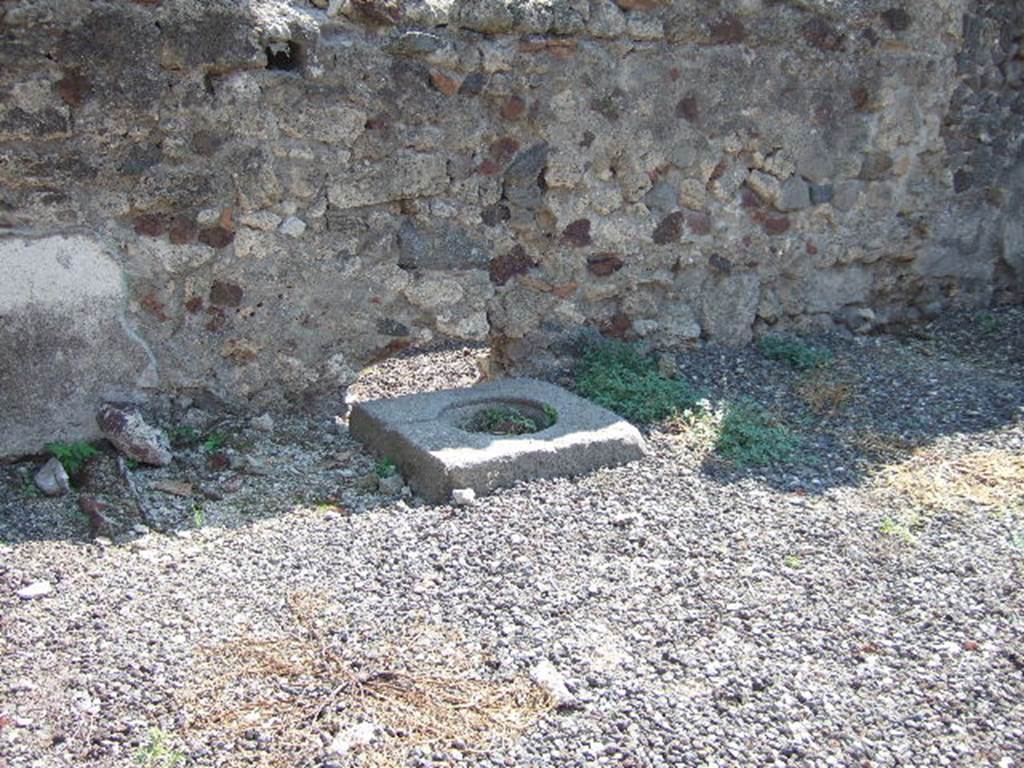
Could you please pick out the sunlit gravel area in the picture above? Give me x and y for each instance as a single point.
(262, 602)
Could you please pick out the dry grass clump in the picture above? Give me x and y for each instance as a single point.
(932, 479)
(276, 701)
(826, 391)
(882, 445)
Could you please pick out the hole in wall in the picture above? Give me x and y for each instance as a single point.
(285, 56)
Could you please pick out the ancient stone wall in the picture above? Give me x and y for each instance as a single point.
(251, 200)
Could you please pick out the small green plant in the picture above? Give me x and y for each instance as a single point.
(795, 353)
(749, 436)
(792, 561)
(183, 436)
(616, 375)
(902, 527)
(503, 421)
(214, 442)
(551, 415)
(1018, 541)
(988, 323)
(198, 515)
(73, 456)
(157, 751)
(385, 468)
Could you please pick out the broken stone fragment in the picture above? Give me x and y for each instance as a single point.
(553, 683)
(357, 736)
(133, 437)
(391, 485)
(604, 264)
(52, 479)
(293, 226)
(264, 221)
(463, 497)
(367, 483)
(35, 590)
(264, 423)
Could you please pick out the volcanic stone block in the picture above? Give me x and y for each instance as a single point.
(426, 436)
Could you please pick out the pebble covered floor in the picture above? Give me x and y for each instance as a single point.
(699, 613)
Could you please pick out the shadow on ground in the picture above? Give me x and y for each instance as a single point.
(958, 379)
(880, 400)
(229, 471)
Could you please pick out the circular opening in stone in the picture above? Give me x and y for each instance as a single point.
(504, 418)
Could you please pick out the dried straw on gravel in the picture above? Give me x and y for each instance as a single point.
(931, 479)
(421, 690)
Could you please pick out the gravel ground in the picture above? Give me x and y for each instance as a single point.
(700, 613)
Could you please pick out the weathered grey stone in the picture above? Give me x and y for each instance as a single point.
(293, 226)
(565, 168)
(132, 436)
(954, 260)
(406, 175)
(827, 290)
(815, 163)
(391, 485)
(857, 319)
(1012, 247)
(424, 435)
(522, 177)
(489, 16)
(795, 195)
(606, 19)
(729, 308)
(52, 479)
(448, 247)
(264, 423)
(662, 198)
(675, 324)
(264, 221)
(779, 164)
(846, 195)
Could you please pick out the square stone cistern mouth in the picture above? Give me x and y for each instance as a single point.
(493, 435)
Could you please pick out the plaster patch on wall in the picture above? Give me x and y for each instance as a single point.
(65, 344)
